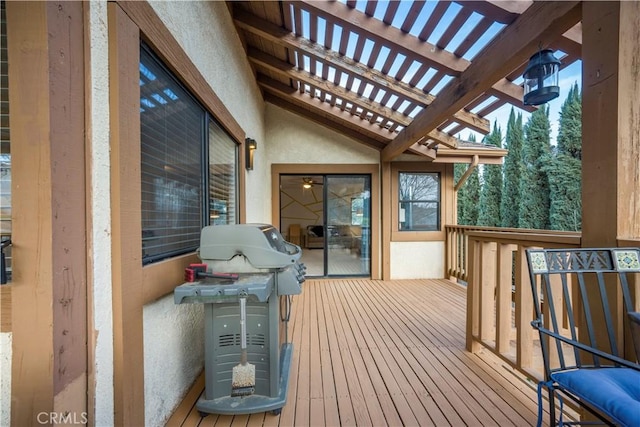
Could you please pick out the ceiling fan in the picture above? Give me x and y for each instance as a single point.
(308, 182)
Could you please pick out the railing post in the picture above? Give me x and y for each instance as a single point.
(473, 295)
(504, 297)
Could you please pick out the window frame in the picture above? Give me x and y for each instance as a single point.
(437, 200)
(447, 202)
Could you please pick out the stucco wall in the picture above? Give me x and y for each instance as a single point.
(99, 231)
(294, 139)
(417, 260)
(5, 378)
(173, 335)
(173, 355)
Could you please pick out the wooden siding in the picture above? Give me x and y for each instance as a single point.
(370, 352)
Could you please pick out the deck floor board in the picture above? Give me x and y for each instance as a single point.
(374, 353)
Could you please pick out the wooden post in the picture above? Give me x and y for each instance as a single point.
(610, 122)
(49, 289)
(610, 125)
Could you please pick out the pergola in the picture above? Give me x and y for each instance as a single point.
(402, 76)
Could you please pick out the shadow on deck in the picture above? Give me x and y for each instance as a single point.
(370, 352)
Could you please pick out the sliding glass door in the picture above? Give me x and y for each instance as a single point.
(347, 225)
(329, 217)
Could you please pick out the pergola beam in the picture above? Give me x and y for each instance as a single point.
(264, 29)
(395, 39)
(538, 25)
(285, 69)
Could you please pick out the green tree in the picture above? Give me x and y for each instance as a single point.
(565, 169)
(471, 199)
(491, 195)
(570, 130)
(534, 185)
(509, 207)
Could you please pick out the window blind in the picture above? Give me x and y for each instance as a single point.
(223, 176)
(172, 140)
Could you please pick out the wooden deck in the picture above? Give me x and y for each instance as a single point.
(377, 353)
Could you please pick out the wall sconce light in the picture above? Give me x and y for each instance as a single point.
(541, 78)
(250, 146)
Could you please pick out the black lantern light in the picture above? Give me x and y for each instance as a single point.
(541, 78)
(250, 146)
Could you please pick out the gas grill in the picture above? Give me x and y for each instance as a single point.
(254, 262)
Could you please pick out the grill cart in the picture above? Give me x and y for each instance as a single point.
(254, 263)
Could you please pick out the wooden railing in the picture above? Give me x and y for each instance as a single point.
(499, 301)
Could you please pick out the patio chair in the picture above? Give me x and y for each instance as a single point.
(578, 295)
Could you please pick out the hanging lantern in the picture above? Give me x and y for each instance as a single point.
(541, 78)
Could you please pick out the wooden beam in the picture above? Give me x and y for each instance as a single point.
(540, 23)
(393, 38)
(341, 63)
(376, 30)
(285, 69)
(467, 173)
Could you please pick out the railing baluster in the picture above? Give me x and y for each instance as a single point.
(487, 289)
(524, 312)
(504, 298)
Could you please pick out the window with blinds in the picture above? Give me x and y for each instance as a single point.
(223, 171)
(173, 140)
(189, 165)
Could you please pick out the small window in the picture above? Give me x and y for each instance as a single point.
(419, 201)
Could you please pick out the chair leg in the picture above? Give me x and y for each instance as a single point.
(552, 406)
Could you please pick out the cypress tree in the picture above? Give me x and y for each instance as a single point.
(491, 195)
(565, 170)
(509, 207)
(570, 130)
(471, 199)
(534, 185)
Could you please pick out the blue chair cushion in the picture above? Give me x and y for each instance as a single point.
(614, 391)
